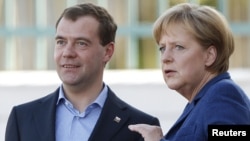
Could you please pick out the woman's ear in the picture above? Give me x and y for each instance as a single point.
(211, 55)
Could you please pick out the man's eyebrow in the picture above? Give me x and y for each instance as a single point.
(59, 37)
(82, 38)
(78, 38)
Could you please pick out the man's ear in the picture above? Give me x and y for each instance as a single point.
(109, 50)
(211, 55)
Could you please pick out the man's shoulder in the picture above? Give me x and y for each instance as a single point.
(29, 105)
(133, 111)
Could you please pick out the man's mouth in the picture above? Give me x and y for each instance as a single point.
(69, 66)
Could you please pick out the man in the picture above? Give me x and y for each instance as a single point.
(83, 107)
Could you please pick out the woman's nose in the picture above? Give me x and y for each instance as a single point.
(166, 56)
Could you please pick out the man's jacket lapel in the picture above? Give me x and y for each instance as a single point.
(112, 118)
(44, 117)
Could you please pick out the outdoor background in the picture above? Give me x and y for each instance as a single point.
(27, 29)
(27, 69)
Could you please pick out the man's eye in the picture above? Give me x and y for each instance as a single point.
(60, 42)
(81, 43)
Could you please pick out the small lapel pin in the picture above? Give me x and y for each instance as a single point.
(117, 119)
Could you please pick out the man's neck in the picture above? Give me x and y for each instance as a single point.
(82, 97)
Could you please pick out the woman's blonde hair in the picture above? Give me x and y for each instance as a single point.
(207, 25)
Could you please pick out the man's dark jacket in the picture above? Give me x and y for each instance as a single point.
(35, 121)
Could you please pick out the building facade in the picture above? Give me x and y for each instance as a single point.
(27, 29)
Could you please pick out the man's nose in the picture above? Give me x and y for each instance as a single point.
(69, 51)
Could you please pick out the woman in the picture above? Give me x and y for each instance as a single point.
(195, 44)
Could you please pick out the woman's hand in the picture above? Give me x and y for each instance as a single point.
(148, 132)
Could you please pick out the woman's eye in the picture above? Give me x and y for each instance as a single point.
(179, 47)
(162, 49)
